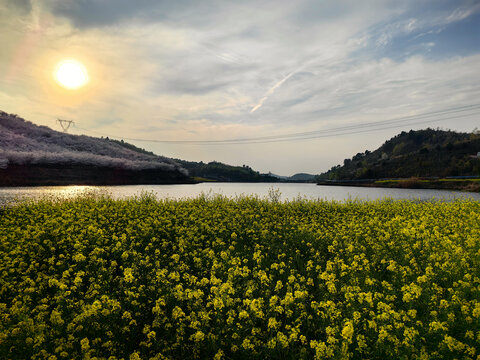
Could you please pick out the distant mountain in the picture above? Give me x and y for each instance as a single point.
(302, 177)
(37, 155)
(217, 171)
(280, 177)
(421, 153)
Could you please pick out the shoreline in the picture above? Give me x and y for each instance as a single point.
(468, 185)
(81, 174)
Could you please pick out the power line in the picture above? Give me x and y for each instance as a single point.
(338, 131)
(349, 127)
(342, 133)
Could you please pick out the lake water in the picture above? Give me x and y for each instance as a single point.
(287, 191)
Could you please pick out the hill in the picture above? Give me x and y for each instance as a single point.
(299, 177)
(302, 177)
(37, 155)
(420, 153)
(217, 171)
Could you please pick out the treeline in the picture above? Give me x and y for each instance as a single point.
(222, 172)
(420, 153)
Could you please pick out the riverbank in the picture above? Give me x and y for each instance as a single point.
(471, 184)
(78, 174)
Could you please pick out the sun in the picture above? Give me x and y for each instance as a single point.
(71, 74)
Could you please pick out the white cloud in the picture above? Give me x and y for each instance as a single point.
(462, 13)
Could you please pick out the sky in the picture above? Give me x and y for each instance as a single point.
(188, 75)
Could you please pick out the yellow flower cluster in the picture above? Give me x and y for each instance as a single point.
(244, 278)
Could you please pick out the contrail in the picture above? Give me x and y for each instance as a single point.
(280, 83)
(272, 90)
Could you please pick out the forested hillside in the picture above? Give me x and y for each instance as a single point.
(22, 142)
(421, 153)
(218, 171)
(37, 155)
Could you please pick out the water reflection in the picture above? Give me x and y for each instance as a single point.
(288, 192)
(20, 194)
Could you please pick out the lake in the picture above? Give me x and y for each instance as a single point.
(287, 191)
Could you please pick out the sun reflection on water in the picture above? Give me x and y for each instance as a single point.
(45, 192)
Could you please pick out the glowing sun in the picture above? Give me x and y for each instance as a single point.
(71, 74)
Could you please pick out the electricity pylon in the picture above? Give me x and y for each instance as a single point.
(65, 124)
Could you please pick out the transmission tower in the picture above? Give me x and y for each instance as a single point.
(65, 124)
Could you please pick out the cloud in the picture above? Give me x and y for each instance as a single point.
(24, 6)
(94, 13)
(189, 70)
(434, 20)
(462, 13)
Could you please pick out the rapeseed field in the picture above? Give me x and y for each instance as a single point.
(245, 278)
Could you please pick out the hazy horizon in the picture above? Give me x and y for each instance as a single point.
(261, 70)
